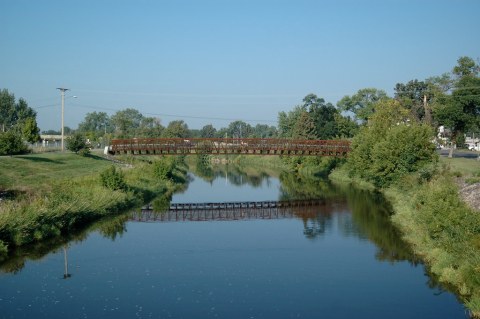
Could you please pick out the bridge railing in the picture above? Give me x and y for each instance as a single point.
(247, 146)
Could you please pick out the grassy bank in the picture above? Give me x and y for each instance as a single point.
(51, 194)
(439, 226)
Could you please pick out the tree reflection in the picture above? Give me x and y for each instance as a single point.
(109, 227)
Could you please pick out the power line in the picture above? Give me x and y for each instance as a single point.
(176, 115)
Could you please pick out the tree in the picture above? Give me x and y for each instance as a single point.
(362, 103)
(77, 144)
(466, 67)
(323, 115)
(460, 111)
(239, 129)
(208, 131)
(415, 96)
(30, 130)
(126, 122)
(304, 127)
(391, 145)
(7, 110)
(286, 121)
(150, 127)
(264, 131)
(176, 129)
(96, 122)
(17, 123)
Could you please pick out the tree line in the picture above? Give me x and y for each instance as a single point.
(451, 100)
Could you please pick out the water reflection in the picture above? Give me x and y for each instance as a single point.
(110, 227)
(231, 173)
(369, 218)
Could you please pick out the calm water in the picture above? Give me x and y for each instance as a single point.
(341, 259)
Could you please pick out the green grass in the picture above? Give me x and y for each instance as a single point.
(29, 172)
(58, 193)
(465, 167)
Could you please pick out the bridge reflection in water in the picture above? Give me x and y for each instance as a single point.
(303, 209)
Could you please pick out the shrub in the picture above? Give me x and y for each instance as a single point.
(11, 143)
(77, 144)
(163, 168)
(391, 146)
(113, 179)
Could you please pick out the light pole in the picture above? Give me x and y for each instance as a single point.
(62, 90)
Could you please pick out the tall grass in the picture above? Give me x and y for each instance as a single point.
(67, 204)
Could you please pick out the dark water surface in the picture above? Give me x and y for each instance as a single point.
(339, 259)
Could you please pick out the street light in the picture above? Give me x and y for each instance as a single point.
(62, 90)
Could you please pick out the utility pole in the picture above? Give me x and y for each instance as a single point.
(62, 90)
(428, 114)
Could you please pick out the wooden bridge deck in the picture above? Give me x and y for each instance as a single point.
(230, 211)
(229, 146)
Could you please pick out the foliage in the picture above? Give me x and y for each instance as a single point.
(208, 131)
(163, 168)
(460, 111)
(11, 143)
(304, 127)
(362, 103)
(176, 129)
(113, 179)
(13, 114)
(126, 122)
(76, 143)
(30, 130)
(411, 96)
(444, 231)
(17, 121)
(390, 146)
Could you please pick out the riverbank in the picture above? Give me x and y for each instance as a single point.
(46, 195)
(441, 228)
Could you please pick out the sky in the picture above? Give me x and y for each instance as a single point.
(215, 61)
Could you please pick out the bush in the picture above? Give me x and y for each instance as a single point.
(77, 144)
(163, 168)
(113, 179)
(11, 144)
(391, 146)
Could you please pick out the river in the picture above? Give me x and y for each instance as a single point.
(337, 258)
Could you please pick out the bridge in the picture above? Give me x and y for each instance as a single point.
(225, 211)
(229, 146)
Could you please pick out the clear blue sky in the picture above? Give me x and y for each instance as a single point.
(200, 60)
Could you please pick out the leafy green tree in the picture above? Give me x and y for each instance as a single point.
(77, 144)
(264, 131)
(150, 127)
(411, 96)
(460, 111)
(286, 121)
(391, 145)
(239, 129)
(30, 130)
(126, 122)
(208, 131)
(176, 129)
(346, 127)
(304, 127)
(17, 122)
(95, 123)
(362, 103)
(323, 115)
